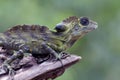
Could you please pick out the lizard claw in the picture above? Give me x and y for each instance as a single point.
(11, 74)
(54, 59)
(64, 55)
(3, 70)
(61, 55)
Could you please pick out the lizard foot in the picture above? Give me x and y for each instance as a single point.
(3, 70)
(7, 69)
(61, 55)
(64, 55)
(11, 74)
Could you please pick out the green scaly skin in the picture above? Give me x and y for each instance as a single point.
(40, 41)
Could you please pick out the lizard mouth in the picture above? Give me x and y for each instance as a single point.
(94, 27)
(90, 27)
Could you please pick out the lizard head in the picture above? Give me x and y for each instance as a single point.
(74, 27)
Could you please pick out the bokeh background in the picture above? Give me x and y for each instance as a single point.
(100, 49)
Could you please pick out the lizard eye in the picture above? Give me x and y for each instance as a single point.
(84, 21)
(60, 28)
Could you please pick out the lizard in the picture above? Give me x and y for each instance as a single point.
(41, 41)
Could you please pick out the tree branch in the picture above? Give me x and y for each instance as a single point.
(46, 70)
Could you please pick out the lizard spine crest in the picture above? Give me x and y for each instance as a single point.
(72, 18)
(27, 28)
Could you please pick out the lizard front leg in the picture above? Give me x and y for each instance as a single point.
(61, 49)
(50, 50)
(6, 65)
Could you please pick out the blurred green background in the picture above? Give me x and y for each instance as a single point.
(100, 49)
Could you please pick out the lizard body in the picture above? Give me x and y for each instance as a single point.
(39, 40)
